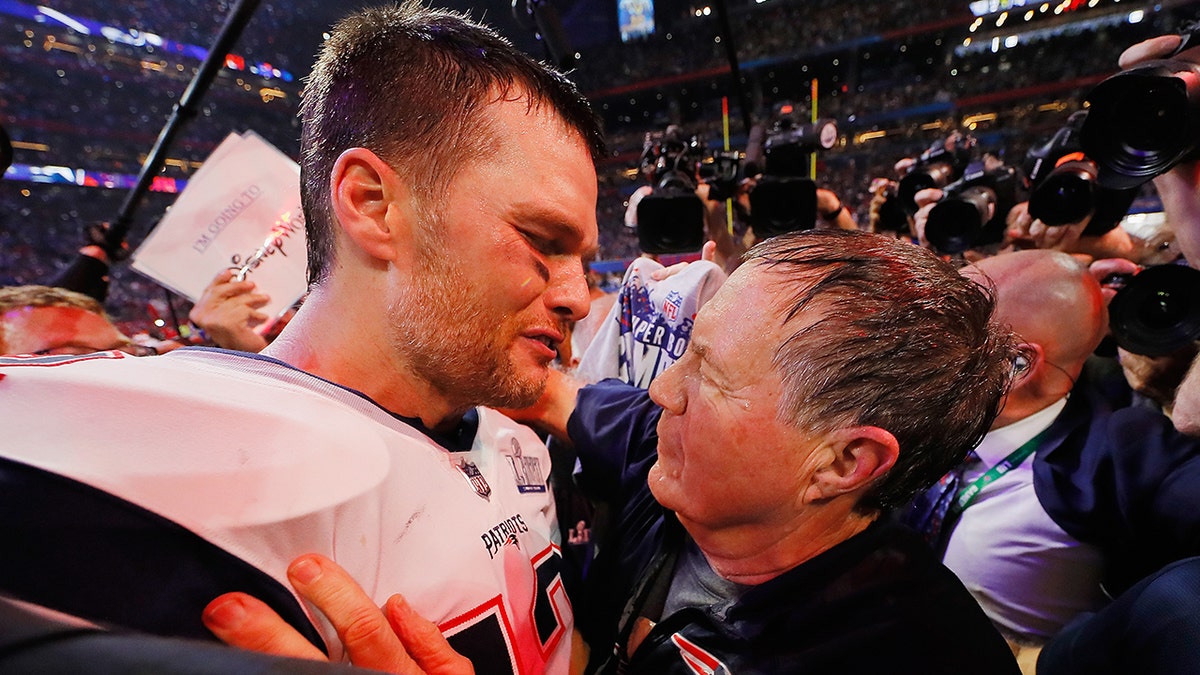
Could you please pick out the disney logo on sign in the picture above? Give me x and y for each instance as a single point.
(283, 229)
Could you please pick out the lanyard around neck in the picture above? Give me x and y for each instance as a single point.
(1012, 461)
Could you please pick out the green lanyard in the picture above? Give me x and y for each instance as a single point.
(1014, 459)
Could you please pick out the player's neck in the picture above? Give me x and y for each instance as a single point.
(327, 339)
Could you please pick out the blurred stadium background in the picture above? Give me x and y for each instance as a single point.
(85, 88)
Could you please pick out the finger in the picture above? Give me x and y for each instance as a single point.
(1037, 230)
(1018, 217)
(423, 640)
(709, 252)
(927, 196)
(360, 624)
(1106, 267)
(1146, 50)
(257, 300)
(231, 289)
(242, 621)
(1053, 236)
(659, 275)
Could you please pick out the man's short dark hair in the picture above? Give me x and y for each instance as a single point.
(408, 83)
(904, 343)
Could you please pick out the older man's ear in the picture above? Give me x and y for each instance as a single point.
(855, 458)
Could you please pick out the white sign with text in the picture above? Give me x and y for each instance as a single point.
(241, 211)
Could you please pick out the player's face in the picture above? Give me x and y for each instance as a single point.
(59, 330)
(504, 268)
(725, 457)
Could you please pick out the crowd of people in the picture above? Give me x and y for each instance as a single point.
(855, 446)
(893, 62)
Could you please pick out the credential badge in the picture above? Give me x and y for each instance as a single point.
(526, 470)
(475, 477)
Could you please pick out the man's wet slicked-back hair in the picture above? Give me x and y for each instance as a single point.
(904, 343)
(409, 84)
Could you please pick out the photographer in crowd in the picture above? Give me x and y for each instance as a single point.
(1152, 627)
(1179, 189)
(438, 284)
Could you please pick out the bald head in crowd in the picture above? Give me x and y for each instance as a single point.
(1056, 309)
(49, 320)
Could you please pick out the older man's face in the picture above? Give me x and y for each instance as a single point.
(725, 457)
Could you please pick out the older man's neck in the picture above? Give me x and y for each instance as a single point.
(755, 554)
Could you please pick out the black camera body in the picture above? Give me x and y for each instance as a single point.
(671, 218)
(1157, 311)
(784, 198)
(721, 172)
(973, 210)
(1064, 183)
(891, 216)
(937, 167)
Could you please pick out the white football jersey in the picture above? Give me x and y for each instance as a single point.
(269, 462)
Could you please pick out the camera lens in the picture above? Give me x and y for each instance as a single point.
(1158, 311)
(1154, 118)
(1163, 309)
(1066, 196)
(955, 223)
(1141, 123)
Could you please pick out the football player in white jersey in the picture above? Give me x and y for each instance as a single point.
(449, 191)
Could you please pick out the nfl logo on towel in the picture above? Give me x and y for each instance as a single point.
(671, 305)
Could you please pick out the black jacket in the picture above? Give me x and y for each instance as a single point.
(877, 603)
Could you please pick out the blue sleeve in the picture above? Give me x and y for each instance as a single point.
(614, 431)
(1133, 489)
(1157, 484)
(1152, 628)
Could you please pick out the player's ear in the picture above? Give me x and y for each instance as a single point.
(371, 203)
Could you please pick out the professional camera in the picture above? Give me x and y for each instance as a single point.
(721, 172)
(973, 210)
(784, 198)
(1145, 120)
(671, 218)
(941, 164)
(1064, 185)
(1157, 311)
(890, 215)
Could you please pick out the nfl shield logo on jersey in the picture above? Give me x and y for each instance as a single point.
(475, 478)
